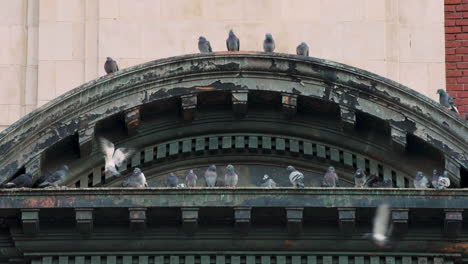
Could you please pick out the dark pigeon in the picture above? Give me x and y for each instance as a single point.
(435, 179)
(360, 178)
(420, 181)
(136, 180)
(110, 66)
(330, 179)
(232, 42)
(204, 45)
(295, 177)
(269, 43)
(191, 179)
(302, 49)
(447, 101)
(56, 179)
(267, 182)
(231, 178)
(172, 180)
(211, 176)
(22, 181)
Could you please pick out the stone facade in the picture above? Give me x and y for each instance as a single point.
(52, 46)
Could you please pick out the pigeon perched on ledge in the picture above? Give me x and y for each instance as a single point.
(447, 101)
(231, 178)
(435, 179)
(269, 43)
(330, 179)
(22, 181)
(211, 176)
(232, 42)
(55, 179)
(136, 180)
(267, 182)
(204, 45)
(302, 49)
(360, 178)
(110, 66)
(295, 177)
(172, 180)
(443, 182)
(191, 179)
(420, 181)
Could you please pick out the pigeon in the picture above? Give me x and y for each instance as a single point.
(330, 179)
(360, 178)
(447, 101)
(172, 180)
(22, 181)
(191, 179)
(435, 179)
(136, 180)
(110, 66)
(268, 43)
(382, 228)
(420, 181)
(302, 49)
(443, 182)
(181, 185)
(295, 177)
(204, 45)
(385, 183)
(231, 178)
(211, 176)
(113, 157)
(232, 42)
(55, 179)
(267, 182)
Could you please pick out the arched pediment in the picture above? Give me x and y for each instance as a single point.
(294, 99)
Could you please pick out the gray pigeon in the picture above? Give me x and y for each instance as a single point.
(113, 157)
(204, 45)
(330, 179)
(360, 178)
(443, 182)
(230, 178)
(267, 182)
(22, 181)
(56, 179)
(191, 179)
(435, 179)
(211, 176)
(302, 49)
(110, 66)
(172, 180)
(232, 42)
(447, 101)
(382, 228)
(269, 43)
(136, 180)
(420, 181)
(295, 177)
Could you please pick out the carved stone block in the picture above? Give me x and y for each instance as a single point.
(189, 220)
(398, 136)
(399, 218)
(289, 103)
(132, 120)
(137, 217)
(85, 140)
(239, 101)
(348, 116)
(347, 220)
(189, 106)
(294, 216)
(242, 216)
(30, 221)
(453, 222)
(84, 220)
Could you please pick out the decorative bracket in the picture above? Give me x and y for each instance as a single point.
(398, 135)
(289, 102)
(347, 220)
(348, 116)
(189, 219)
(399, 218)
(242, 216)
(85, 140)
(294, 216)
(132, 120)
(30, 221)
(453, 222)
(453, 170)
(239, 101)
(137, 217)
(189, 106)
(34, 166)
(84, 220)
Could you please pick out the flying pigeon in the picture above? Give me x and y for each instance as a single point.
(420, 181)
(172, 180)
(211, 176)
(330, 179)
(22, 181)
(191, 179)
(435, 179)
(204, 45)
(113, 157)
(55, 179)
(230, 178)
(267, 182)
(295, 177)
(443, 182)
(268, 43)
(382, 228)
(302, 49)
(447, 101)
(232, 42)
(136, 180)
(360, 178)
(110, 66)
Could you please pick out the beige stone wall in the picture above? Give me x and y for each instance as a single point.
(48, 47)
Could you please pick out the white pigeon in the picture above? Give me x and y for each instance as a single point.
(381, 229)
(443, 182)
(114, 157)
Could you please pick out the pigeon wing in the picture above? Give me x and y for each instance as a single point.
(122, 154)
(107, 149)
(381, 220)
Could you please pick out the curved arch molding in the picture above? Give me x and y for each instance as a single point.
(185, 77)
